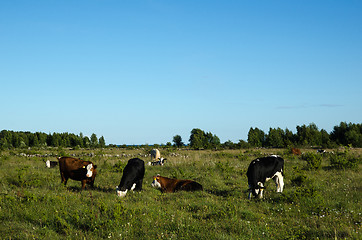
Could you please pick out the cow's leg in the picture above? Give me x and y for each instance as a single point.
(250, 192)
(139, 185)
(260, 190)
(279, 181)
(261, 193)
(64, 179)
(133, 186)
(83, 184)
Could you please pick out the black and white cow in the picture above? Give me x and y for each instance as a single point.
(132, 177)
(263, 169)
(160, 162)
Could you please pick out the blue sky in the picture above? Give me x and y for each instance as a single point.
(141, 72)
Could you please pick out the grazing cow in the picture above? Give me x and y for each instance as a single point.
(155, 154)
(76, 169)
(173, 185)
(263, 169)
(160, 161)
(321, 151)
(296, 151)
(132, 177)
(50, 164)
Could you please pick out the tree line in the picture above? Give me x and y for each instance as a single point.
(12, 139)
(346, 134)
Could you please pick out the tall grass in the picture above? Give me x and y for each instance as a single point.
(322, 204)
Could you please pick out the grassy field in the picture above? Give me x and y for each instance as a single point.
(322, 203)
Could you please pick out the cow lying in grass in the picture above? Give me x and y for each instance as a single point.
(160, 162)
(170, 185)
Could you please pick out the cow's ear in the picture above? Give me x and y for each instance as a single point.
(94, 166)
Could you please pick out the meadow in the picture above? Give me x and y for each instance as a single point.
(318, 202)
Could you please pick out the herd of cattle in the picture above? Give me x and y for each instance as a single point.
(259, 171)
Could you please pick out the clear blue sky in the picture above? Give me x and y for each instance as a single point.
(141, 72)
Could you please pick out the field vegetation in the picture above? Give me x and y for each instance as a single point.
(321, 197)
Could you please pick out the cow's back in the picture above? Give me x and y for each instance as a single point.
(265, 167)
(188, 185)
(133, 171)
(74, 168)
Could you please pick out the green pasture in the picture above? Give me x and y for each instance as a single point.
(318, 201)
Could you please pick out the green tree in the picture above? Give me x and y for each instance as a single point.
(197, 139)
(102, 142)
(289, 138)
(201, 140)
(325, 139)
(94, 140)
(211, 141)
(177, 140)
(86, 142)
(256, 137)
(309, 135)
(275, 138)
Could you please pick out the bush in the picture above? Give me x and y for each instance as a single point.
(344, 160)
(314, 161)
(119, 166)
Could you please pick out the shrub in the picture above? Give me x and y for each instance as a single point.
(119, 166)
(344, 160)
(313, 160)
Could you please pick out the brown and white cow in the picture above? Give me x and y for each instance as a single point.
(172, 185)
(76, 169)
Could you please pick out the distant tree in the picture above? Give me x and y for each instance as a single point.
(289, 138)
(33, 140)
(228, 145)
(309, 135)
(346, 134)
(338, 134)
(243, 144)
(177, 140)
(275, 138)
(197, 139)
(86, 142)
(325, 139)
(94, 140)
(42, 137)
(211, 141)
(256, 137)
(201, 140)
(102, 142)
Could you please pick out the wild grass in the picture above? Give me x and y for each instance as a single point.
(322, 202)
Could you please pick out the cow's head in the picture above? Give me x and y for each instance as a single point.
(162, 160)
(256, 191)
(91, 170)
(121, 193)
(156, 181)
